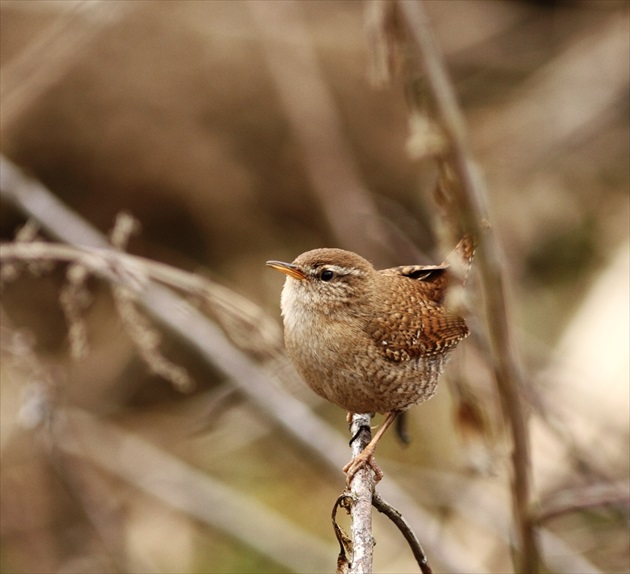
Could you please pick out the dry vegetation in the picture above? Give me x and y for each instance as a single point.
(149, 419)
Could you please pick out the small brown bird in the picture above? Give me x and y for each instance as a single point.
(367, 340)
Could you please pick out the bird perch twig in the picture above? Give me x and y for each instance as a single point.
(357, 500)
(361, 491)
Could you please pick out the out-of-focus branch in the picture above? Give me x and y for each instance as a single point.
(581, 498)
(470, 209)
(183, 487)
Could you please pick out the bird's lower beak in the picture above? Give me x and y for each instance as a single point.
(288, 269)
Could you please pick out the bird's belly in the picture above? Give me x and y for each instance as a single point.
(364, 382)
(386, 387)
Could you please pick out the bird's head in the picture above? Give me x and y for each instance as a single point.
(325, 281)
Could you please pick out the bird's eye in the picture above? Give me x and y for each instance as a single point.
(326, 275)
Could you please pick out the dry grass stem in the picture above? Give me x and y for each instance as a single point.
(147, 339)
(74, 300)
(471, 212)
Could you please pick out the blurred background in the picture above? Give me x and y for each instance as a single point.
(237, 132)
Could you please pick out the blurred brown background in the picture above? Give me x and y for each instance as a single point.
(236, 132)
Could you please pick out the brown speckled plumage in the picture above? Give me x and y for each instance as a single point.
(367, 340)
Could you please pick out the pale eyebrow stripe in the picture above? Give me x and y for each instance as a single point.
(343, 270)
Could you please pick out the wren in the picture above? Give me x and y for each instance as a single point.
(368, 341)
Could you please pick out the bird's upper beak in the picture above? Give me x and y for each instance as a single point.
(288, 268)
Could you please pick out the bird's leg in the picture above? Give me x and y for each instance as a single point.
(367, 454)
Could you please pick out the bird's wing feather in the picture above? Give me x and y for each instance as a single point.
(421, 272)
(432, 280)
(423, 328)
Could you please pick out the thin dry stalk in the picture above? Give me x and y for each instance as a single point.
(470, 198)
(74, 300)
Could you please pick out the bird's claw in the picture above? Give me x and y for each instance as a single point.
(364, 459)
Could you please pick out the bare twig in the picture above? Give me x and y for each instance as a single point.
(402, 525)
(361, 491)
(357, 500)
(470, 197)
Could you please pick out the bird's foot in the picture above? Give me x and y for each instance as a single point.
(366, 458)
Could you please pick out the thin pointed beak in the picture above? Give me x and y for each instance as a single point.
(288, 269)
